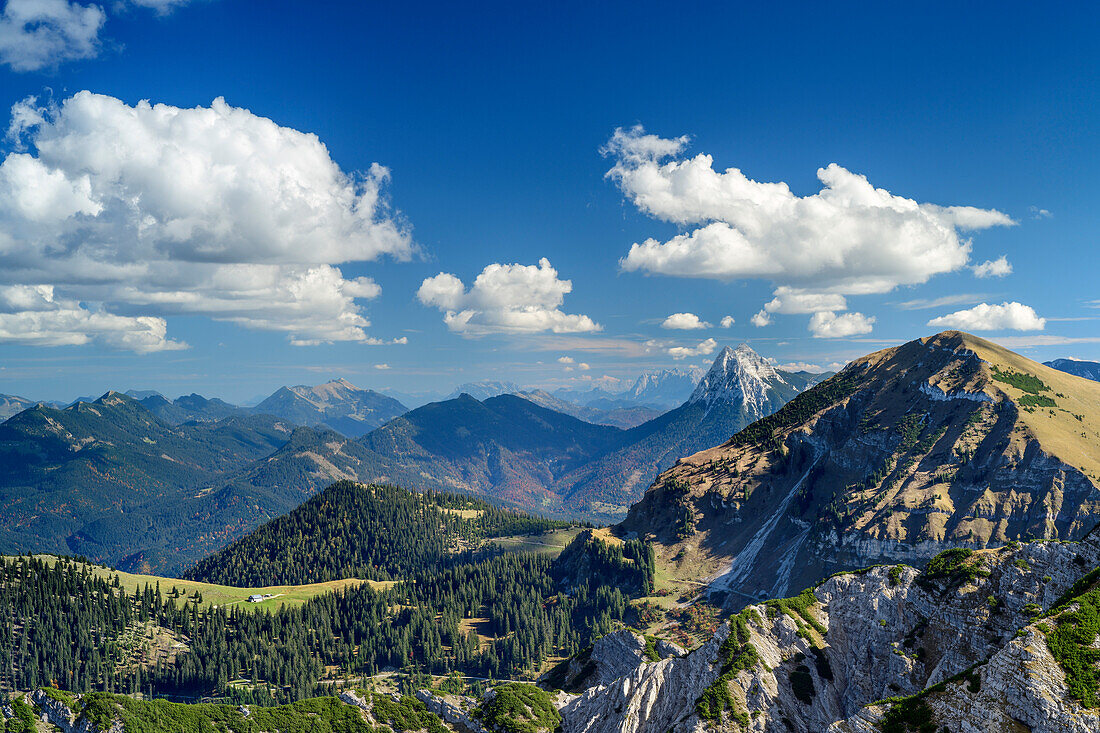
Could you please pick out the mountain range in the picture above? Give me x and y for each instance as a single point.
(508, 448)
(13, 405)
(943, 442)
(949, 452)
(117, 479)
(69, 473)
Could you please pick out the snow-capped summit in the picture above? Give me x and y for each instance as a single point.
(740, 376)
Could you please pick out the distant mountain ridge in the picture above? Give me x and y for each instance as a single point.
(484, 389)
(1080, 368)
(542, 460)
(739, 388)
(13, 405)
(625, 416)
(338, 404)
(187, 408)
(87, 479)
(668, 387)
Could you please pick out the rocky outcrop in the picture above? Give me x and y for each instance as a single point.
(658, 696)
(1021, 689)
(61, 715)
(818, 662)
(454, 710)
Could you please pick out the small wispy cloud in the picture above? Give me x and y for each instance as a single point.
(928, 303)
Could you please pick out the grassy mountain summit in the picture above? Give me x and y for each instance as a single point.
(945, 441)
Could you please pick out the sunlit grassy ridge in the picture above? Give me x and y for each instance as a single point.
(225, 595)
(1070, 429)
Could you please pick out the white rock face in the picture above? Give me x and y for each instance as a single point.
(886, 635)
(453, 709)
(58, 714)
(658, 696)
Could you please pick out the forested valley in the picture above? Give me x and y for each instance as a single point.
(482, 612)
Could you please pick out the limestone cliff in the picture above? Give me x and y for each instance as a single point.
(962, 644)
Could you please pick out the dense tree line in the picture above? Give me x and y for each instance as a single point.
(628, 565)
(498, 616)
(354, 531)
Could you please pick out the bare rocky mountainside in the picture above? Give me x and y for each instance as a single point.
(989, 640)
(947, 441)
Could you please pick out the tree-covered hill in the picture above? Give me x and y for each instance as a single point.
(352, 530)
(65, 469)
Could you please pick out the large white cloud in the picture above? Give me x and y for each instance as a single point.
(793, 300)
(505, 299)
(827, 324)
(985, 317)
(33, 315)
(35, 34)
(684, 322)
(210, 210)
(849, 238)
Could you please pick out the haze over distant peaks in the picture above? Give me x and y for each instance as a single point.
(485, 389)
(1077, 367)
(13, 405)
(668, 387)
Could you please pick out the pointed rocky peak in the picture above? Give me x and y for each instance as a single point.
(738, 376)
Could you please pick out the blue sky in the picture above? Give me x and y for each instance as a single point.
(491, 121)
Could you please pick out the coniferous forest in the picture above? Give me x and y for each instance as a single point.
(484, 613)
(375, 532)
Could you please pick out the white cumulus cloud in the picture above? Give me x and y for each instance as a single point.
(761, 319)
(39, 34)
(505, 299)
(33, 315)
(684, 322)
(36, 34)
(985, 317)
(827, 324)
(209, 210)
(565, 360)
(727, 321)
(850, 238)
(993, 268)
(703, 348)
(794, 300)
